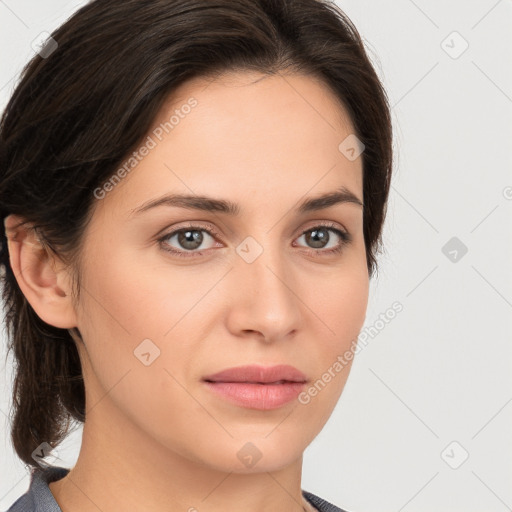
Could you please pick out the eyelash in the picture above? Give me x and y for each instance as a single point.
(345, 237)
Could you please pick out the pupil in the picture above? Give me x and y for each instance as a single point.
(190, 239)
(318, 237)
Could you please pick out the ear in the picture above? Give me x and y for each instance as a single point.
(41, 276)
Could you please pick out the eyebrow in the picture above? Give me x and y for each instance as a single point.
(210, 204)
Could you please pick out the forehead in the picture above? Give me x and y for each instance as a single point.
(242, 95)
(245, 134)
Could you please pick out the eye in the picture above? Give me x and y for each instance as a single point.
(319, 238)
(193, 237)
(189, 239)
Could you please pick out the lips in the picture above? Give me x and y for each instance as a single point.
(257, 387)
(257, 374)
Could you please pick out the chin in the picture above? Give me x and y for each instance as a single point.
(254, 454)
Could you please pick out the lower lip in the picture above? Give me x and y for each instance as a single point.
(257, 396)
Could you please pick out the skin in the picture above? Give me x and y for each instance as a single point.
(155, 438)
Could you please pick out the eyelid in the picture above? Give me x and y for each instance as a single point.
(193, 226)
(325, 224)
(200, 224)
(164, 233)
(340, 230)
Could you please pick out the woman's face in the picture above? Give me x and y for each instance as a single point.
(240, 288)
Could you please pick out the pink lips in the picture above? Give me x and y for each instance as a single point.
(258, 387)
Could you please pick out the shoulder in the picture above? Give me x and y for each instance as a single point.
(38, 497)
(320, 504)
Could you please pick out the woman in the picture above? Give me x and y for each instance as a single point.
(192, 194)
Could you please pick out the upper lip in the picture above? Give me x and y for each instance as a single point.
(258, 374)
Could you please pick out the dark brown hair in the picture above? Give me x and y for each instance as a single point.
(78, 110)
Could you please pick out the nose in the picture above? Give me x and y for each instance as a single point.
(264, 297)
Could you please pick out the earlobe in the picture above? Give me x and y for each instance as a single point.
(41, 277)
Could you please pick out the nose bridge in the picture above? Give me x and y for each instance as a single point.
(265, 300)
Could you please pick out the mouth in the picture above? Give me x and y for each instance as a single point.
(257, 374)
(257, 387)
(277, 382)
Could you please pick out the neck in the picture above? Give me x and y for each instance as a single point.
(121, 468)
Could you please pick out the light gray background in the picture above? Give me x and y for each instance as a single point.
(440, 371)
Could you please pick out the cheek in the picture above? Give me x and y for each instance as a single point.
(131, 297)
(340, 302)
(338, 311)
(349, 310)
(136, 311)
(126, 311)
